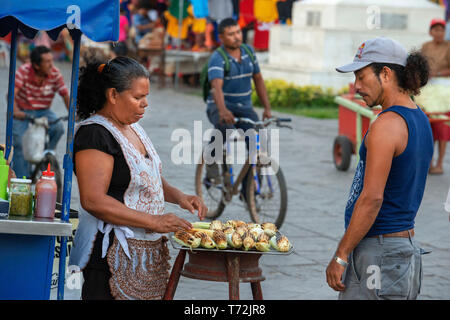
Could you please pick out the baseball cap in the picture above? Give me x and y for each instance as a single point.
(437, 21)
(377, 50)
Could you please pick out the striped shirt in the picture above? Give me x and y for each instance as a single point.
(31, 95)
(237, 83)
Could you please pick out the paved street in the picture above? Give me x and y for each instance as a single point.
(317, 194)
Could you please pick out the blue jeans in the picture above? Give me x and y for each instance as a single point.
(238, 112)
(20, 166)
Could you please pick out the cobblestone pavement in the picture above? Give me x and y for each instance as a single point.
(317, 195)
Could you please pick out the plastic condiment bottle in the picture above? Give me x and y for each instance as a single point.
(4, 172)
(46, 191)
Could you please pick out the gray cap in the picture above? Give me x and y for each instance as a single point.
(378, 50)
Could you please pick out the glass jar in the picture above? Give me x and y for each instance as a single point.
(20, 197)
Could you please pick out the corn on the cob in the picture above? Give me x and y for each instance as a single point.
(255, 232)
(280, 243)
(201, 225)
(234, 240)
(262, 246)
(209, 232)
(262, 237)
(186, 239)
(228, 230)
(205, 240)
(216, 225)
(269, 228)
(220, 239)
(248, 242)
(252, 225)
(241, 230)
(236, 223)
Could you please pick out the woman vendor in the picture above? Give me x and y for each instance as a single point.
(119, 243)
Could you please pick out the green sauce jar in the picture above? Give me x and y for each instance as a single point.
(20, 197)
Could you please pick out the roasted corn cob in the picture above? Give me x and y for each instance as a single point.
(216, 225)
(205, 240)
(201, 225)
(255, 232)
(280, 243)
(220, 239)
(186, 239)
(248, 242)
(269, 228)
(234, 240)
(241, 231)
(252, 225)
(262, 246)
(228, 230)
(262, 237)
(207, 231)
(236, 223)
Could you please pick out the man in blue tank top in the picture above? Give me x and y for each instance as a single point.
(377, 257)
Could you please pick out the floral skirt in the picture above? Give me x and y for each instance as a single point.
(145, 275)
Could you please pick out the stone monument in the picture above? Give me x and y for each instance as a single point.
(327, 33)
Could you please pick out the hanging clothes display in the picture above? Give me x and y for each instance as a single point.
(265, 10)
(173, 26)
(198, 24)
(174, 9)
(220, 9)
(285, 11)
(246, 13)
(200, 8)
(261, 38)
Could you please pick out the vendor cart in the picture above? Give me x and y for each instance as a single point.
(27, 245)
(354, 121)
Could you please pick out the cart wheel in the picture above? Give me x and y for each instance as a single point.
(342, 152)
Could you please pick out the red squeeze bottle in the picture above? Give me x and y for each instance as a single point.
(46, 190)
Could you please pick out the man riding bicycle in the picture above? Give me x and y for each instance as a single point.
(35, 86)
(231, 90)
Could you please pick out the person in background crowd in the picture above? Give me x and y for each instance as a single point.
(389, 181)
(35, 86)
(120, 48)
(141, 21)
(437, 52)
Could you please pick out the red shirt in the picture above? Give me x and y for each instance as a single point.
(33, 96)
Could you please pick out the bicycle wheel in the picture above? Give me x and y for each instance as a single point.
(269, 203)
(54, 165)
(211, 193)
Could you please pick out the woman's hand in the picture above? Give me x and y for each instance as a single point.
(169, 222)
(192, 203)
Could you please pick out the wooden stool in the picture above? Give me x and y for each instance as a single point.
(221, 266)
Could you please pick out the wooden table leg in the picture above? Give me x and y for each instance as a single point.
(175, 276)
(232, 261)
(256, 290)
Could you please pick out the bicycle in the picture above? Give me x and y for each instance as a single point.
(48, 156)
(262, 188)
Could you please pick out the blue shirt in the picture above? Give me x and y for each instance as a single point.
(140, 20)
(237, 83)
(406, 181)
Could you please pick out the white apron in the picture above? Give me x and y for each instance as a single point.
(144, 254)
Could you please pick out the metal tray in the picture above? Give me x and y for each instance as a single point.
(178, 246)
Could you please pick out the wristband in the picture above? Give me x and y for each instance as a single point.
(340, 261)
